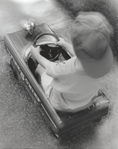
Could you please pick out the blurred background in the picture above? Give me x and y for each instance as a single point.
(22, 123)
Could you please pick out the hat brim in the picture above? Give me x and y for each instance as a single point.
(97, 69)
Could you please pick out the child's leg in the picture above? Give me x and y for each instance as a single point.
(43, 79)
(38, 72)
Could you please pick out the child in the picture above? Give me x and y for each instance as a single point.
(73, 83)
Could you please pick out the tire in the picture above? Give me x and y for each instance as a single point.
(98, 120)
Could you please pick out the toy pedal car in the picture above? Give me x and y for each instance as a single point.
(23, 66)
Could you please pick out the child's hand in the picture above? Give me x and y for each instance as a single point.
(61, 42)
(35, 50)
(66, 46)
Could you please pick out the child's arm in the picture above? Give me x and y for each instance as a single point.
(67, 46)
(40, 59)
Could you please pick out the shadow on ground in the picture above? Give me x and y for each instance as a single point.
(22, 123)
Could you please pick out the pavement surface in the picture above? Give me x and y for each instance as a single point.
(22, 124)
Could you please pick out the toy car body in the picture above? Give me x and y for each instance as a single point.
(17, 44)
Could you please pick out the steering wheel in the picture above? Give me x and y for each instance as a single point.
(40, 35)
(49, 49)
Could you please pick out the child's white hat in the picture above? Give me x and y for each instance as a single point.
(90, 36)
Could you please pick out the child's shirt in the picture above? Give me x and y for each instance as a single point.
(71, 86)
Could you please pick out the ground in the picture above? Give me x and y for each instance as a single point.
(22, 123)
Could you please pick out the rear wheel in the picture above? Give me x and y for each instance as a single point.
(98, 120)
